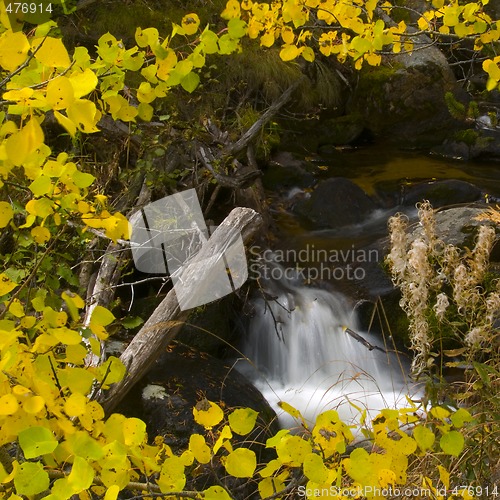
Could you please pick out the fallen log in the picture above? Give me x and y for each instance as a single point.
(167, 319)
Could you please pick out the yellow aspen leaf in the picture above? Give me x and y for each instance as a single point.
(287, 35)
(166, 65)
(51, 52)
(232, 10)
(21, 145)
(373, 59)
(82, 179)
(199, 448)
(207, 413)
(16, 308)
(81, 476)
(74, 406)
(112, 492)
(444, 475)
(222, 440)
(66, 123)
(28, 321)
(386, 478)
(148, 36)
(292, 450)
(73, 302)
(241, 463)
(127, 113)
(450, 17)
(77, 379)
(8, 404)
(308, 54)
(289, 52)
(66, 336)
(134, 431)
(315, 469)
(54, 318)
(6, 284)
(149, 73)
(145, 93)
(270, 468)
(53, 169)
(6, 213)
(60, 93)
(40, 234)
(242, 421)
(39, 208)
(190, 23)
(172, 477)
(33, 405)
(41, 185)
(269, 486)
(14, 49)
(76, 354)
(83, 113)
(112, 371)
(293, 412)
(216, 493)
(83, 82)
(267, 40)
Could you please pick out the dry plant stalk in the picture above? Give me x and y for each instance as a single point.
(439, 280)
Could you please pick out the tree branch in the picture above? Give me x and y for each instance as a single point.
(167, 319)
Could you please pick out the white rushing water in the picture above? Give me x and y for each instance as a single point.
(299, 353)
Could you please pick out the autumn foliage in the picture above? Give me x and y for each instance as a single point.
(55, 439)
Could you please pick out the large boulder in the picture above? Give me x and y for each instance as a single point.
(441, 193)
(181, 378)
(336, 202)
(404, 98)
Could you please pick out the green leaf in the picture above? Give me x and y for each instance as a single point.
(190, 82)
(460, 417)
(132, 322)
(36, 441)
(31, 479)
(236, 28)
(452, 443)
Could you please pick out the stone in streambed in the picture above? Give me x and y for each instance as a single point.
(336, 202)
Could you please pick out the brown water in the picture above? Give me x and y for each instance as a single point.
(382, 173)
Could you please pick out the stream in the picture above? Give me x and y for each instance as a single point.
(297, 347)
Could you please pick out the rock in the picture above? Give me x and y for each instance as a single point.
(210, 328)
(458, 226)
(336, 202)
(181, 378)
(483, 142)
(403, 99)
(442, 193)
(285, 172)
(344, 130)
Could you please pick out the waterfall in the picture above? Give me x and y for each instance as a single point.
(300, 353)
